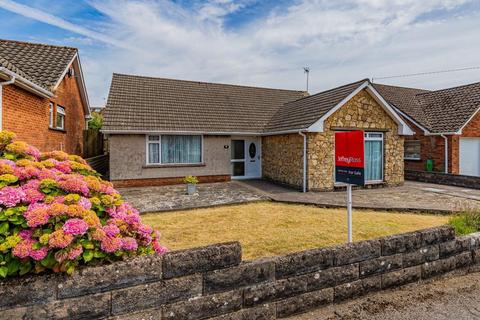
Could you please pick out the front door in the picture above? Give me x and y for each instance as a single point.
(246, 158)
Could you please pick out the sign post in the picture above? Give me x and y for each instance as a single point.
(350, 165)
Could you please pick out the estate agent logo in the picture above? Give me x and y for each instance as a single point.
(350, 157)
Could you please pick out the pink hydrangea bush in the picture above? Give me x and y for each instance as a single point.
(56, 213)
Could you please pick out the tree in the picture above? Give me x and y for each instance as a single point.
(96, 122)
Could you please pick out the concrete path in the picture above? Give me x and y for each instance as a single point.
(412, 196)
(174, 197)
(456, 297)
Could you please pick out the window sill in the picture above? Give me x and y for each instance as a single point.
(174, 165)
(413, 159)
(57, 129)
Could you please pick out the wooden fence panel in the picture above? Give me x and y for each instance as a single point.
(99, 164)
(92, 143)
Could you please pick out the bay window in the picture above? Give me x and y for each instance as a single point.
(174, 149)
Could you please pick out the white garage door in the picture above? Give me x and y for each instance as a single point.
(470, 156)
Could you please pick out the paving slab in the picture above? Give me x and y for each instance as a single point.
(175, 197)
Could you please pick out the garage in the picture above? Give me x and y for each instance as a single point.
(470, 156)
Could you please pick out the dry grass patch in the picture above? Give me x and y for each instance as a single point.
(268, 228)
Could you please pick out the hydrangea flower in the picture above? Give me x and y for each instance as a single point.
(75, 252)
(74, 183)
(111, 244)
(37, 216)
(75, 227)
(10, 196)
(39, 254)
(111, 230)
(129, 243)
(59, 239)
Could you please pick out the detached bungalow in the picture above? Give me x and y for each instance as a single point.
(161, 130)
(446, 124)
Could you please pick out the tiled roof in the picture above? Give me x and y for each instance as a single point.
(302, 113)
(39, 63)
(440, 111)
(405, 100)
(138, 103)
(450, 109)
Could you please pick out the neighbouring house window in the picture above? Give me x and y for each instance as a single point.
(174, 149)
(412, 149)
(60, 117)
(374, 156)
(50, 115)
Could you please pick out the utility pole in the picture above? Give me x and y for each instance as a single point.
(307, 71)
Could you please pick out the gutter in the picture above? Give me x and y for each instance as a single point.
(304, 188)
(6, 83)
(446, 152)
(27, 84)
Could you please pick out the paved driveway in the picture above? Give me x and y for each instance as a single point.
(415, 196)
(454, 298)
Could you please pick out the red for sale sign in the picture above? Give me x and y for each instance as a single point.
(350, 157)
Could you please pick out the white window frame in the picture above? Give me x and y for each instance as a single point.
(159, 142)
(50, 114)
(412, 158)
(61, 111)
(369, 136)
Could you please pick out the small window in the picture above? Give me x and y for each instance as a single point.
(60, 117)
(412, 150)
(50, 115)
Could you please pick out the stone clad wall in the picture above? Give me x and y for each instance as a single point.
(362, 112)
(282, 159)
(213, 283)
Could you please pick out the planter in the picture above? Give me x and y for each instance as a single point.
(191, 188)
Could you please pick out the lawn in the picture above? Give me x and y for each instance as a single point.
(268, 228)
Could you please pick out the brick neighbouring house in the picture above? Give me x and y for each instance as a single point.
(446, 124)
(161, 130)
(43, 97)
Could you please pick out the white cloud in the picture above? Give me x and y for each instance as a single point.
(340, 40)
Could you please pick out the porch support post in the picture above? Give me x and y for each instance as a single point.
(304, 188)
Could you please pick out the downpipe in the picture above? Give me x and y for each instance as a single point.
(446, 152)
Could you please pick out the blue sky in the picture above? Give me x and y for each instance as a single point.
(253, 42)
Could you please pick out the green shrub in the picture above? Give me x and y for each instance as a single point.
(466, 222)
(56, 214)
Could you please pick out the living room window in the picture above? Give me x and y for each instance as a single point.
(412, 150)
(174, 149)
(60, 117)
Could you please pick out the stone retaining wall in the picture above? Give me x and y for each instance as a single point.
(443, 178)
(213, 283)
